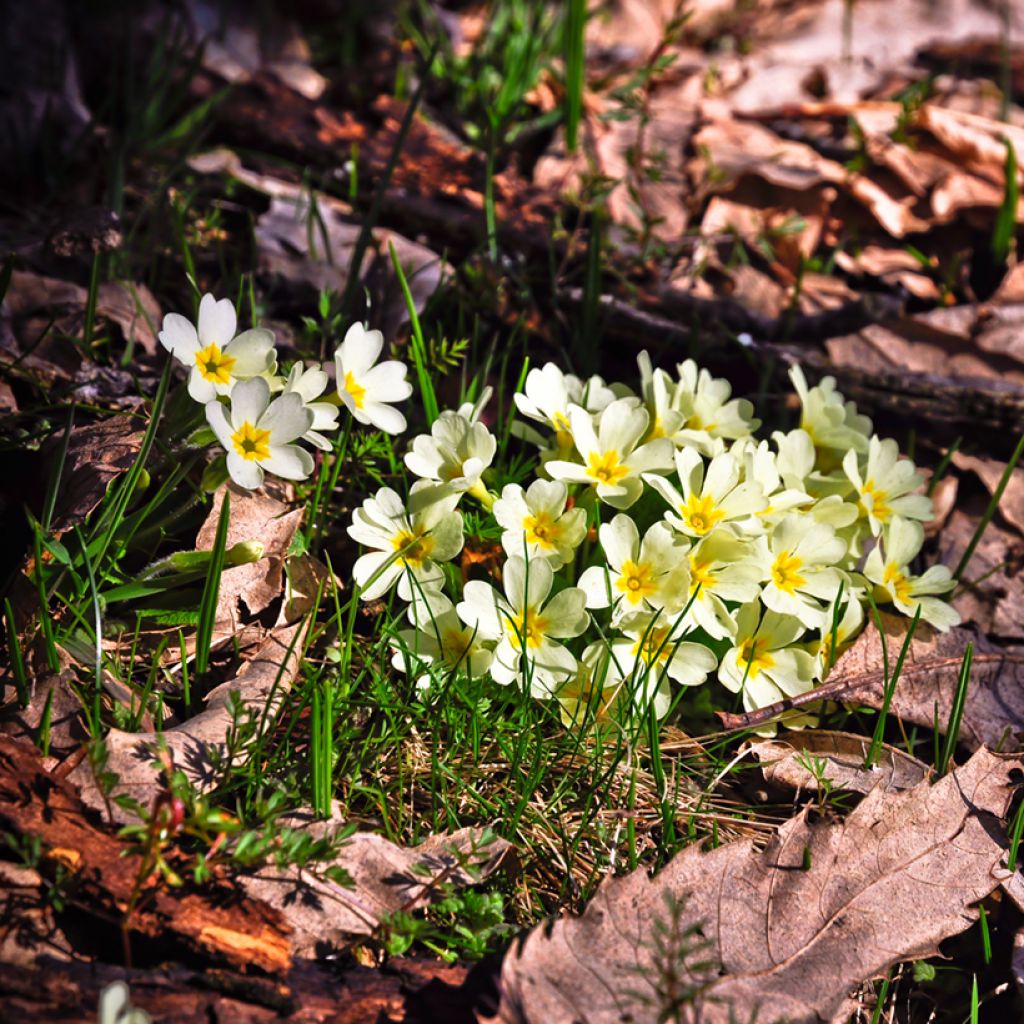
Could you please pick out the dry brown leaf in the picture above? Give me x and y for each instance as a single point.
(386, 878)
(255, 516)
(96, 455)
(201, 742)
(790, 931)
(989, 471)
(802, 759)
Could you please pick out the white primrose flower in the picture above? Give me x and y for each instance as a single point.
(889, 572)
(215, 355)
(407, 544)
(592, 694)
(639, 575)
(723, 568)
(764, 662)
(886, 484)
(717, 498)
(367, 389)
(258, 433)
(546, 397)
(833, 424)
(536, 521)
(309, 384)
(440, 640)
(527, 625)
(802, 578)
(760, 466)
(709, 414)
(652, 652)
(612, 462)
(455, 452)
(657, 389)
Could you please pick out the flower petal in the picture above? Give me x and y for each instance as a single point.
(288, 461)
(287, 417)
(383, 417)
(200, 388)
(217, 417)
(217, 321)
(359, 351)
(253, 352)
(249, 400)
(179, 338)
(244, 472)
(387, 382)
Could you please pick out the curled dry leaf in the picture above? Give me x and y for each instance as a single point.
(385, 878)
(994, 707)
(255, 516)
(96, 455)
(990, 471)
(802, 760)
(787, 931)
(200, 743)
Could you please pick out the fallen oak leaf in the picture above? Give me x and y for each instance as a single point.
(994, 706)
(788, 931)
(805, 760)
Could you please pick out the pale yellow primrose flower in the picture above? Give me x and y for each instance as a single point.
(719, 498)
(527, 625)
(722, 568)
(847, 628)
(612, 462)
(439, 639)
(217, 358)
(407, 542)
(455, 453)
(593, 693)
(652, 652)
(885, 485)
(802, 578)
(833, 424)
(366, 389)
(709, 415)
(652, 574)
(760, 466)
(258, 433)
(546, 396)
(537, 522)
(763, 662)
(309, 384)
(901, 541)
(657, 389)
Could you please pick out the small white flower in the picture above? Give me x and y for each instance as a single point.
(885, 485)
(763, 662)
(258, 433)
(455, 452)
(546, 397)
(612, 462)
(719, 498)
(653, 574)
(760, 466)
(802, 578)
(407, 542)
(215, 355)
(439, 640)
(902, 541)
(709, 415)
(537, 522)
(723, 568)
(833, 424)
(652, 652)
(309, 384)
(367, 389)
(527, 625)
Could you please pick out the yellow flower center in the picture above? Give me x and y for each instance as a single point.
(415, 547)
(701, 575)
(213, 365)
(701, 515)
(784, 572)
(637, 581)
(897, 583)
(753, 652)
(356, 391)
(456, 643)
(606, 468)
(879, 508)
(652, 646)
(251, 443)
(563, 431)
(657, 429)
(541, 530)
(694, 422)
(527, 625)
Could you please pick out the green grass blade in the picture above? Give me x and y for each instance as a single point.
(575, 68)
(417, 342)
(890, 683)
(1006, 218)
(956, 713)
(21, 684)
(211, 591)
